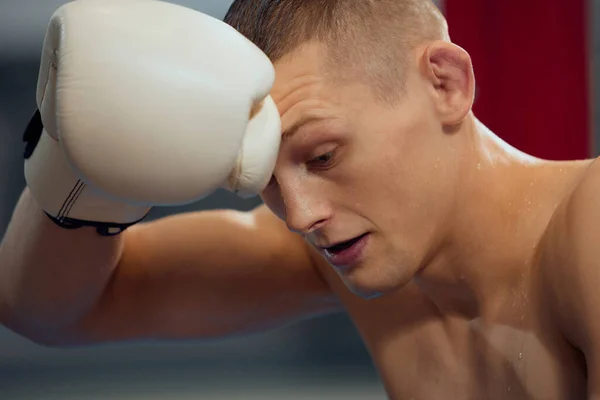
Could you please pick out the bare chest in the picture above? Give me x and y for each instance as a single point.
(427, 359)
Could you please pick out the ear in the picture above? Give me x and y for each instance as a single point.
(448, 70)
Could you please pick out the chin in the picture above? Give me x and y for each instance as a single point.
(371, 282)
(367, 295)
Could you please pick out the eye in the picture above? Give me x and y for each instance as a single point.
(323, 161)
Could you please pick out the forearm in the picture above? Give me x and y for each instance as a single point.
(50, 277)
(206, 275)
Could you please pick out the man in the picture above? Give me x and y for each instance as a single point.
(469, 268)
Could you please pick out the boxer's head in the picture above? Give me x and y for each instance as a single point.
(373, 96)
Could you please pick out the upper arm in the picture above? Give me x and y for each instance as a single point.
(209, 274)
(575, 282)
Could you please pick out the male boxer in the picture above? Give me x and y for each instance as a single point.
(469, 268)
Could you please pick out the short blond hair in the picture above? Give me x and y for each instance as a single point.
(368, 38)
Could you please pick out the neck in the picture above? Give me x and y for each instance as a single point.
(487, 249)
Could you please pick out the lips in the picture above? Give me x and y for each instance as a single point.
(347, 253)
(343, 245)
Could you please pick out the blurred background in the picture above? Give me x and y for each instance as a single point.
(535, 63)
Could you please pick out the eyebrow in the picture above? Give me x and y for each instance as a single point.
(301, 123)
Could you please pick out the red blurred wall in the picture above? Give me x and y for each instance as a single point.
(531, 61)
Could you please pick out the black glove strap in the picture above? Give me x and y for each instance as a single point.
(33, 133)
(103, 228)
(31, 137)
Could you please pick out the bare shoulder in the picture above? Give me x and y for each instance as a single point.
(576, 215)
(588, 184)
(571, 258)
(580, 212)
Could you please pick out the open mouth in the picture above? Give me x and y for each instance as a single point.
(346, 254)
(344, 245)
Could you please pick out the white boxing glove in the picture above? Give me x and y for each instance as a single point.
(143, 103)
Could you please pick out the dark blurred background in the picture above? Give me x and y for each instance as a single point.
(323, 358)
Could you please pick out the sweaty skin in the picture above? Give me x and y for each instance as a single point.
(467, 237)
(479, 276)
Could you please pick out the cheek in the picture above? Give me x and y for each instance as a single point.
(406, 155)
(391, 176)
(382, 165)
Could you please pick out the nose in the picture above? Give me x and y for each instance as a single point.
(306, 209)
(304, 215)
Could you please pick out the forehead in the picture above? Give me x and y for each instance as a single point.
(301, 67)
(302, 88)
(308, 85)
